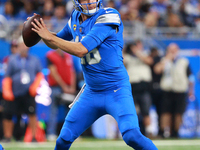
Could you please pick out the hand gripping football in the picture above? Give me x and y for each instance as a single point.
(29, 36)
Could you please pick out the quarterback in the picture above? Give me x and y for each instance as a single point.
(98, 41)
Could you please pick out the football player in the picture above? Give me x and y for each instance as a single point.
(98, 41)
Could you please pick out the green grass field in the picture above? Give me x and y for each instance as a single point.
(93, 144)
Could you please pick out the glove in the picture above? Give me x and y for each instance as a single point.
(7, 89)
(35, 84)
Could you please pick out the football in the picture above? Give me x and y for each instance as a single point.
(29, 36)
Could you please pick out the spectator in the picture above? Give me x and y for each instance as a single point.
(156, 92)
(144, 9)
(62, 79)
(9, 11)
(59, 17)
(18, 5)
(151, 20)
(14, 50)
(59, 2)
(124, 10)
(111, 3)
(173, 20)
(137, 64)
(27, 11)
(48, 10)
(69, 7)
(60, 12)
(131, 10)
(186, 16)
(176, 83)
(22, 78)
(159, 7)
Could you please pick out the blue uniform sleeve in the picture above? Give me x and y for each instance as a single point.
(106, 24)
(65, 33)
(97, 35)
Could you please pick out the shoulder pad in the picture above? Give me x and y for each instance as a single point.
(109, 16)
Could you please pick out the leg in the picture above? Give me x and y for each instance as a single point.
(136, 140)
(166, 122)
(8, 126)
(28, 105)
(177, 124)
(157, 101)
(84, 112)
(52, 123)
(166, 119)
(180, 106)
(33, 124)
(145, 104)
(120, 105)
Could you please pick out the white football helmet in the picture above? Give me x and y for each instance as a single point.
(78, 7)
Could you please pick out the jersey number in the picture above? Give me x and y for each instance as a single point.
(92, 57)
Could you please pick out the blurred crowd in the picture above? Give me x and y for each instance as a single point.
(150, 13)
(162, 13)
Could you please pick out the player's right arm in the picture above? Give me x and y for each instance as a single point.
(65, 34)
(59, 41)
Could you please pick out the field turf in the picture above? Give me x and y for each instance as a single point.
(94, 144)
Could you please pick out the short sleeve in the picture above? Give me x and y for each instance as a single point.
(97, 35)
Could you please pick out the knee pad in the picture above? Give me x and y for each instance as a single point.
(61, 144)
(136, 140)
(67, 135)
(65, 139)
(7, 116)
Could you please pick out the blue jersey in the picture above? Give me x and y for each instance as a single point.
(102, 35)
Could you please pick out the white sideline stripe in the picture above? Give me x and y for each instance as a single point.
(101, 144)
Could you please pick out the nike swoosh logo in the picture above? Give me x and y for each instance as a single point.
(109, 11)
(117, 90)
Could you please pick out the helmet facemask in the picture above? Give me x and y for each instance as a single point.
(78, 7)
